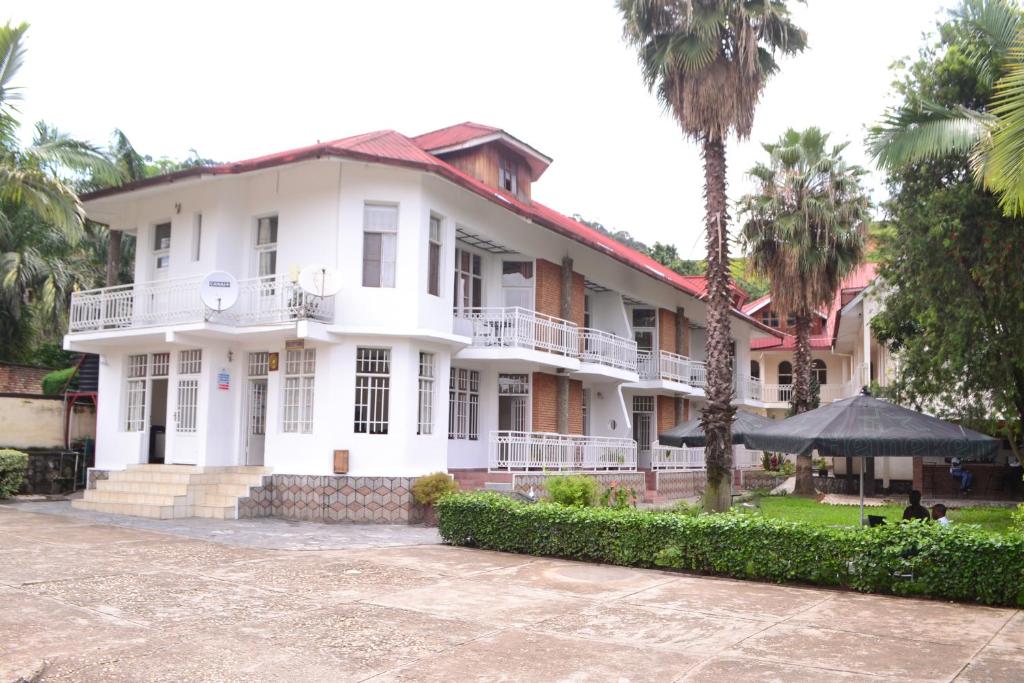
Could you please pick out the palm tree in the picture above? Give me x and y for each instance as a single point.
(708, 61)
(132, 166)
(992, 135)
(804, 230)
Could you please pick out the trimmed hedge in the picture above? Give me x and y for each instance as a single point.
(955, 562)
(13, 470)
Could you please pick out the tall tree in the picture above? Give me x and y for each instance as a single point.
(989, 36)
(804, 230)
(950, 258)
(708, 61)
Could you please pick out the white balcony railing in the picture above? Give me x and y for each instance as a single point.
(263, 300)
(783, 393)
(521, 328)
(686, 458)
(672, 367)
(541, 451)
(604, 348)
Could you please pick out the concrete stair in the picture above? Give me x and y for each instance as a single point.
(172, 491)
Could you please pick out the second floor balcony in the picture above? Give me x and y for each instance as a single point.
(782, 394)
(273, 299)
(671, 367)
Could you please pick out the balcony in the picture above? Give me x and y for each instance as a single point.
(547, 452)
(670, 459)
(671, 367)
(268, 300)
(606, 350)
(783, 393)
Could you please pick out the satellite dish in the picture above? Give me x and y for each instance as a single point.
(320, 280)
(219, 290)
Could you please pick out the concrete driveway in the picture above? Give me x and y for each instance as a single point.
(82, 600)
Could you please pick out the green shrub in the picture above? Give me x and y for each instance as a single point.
(1017, 517)
(957, 562)
(574, 490)
(55, 381)
(618, 496)
(429, 489)
(13, 468)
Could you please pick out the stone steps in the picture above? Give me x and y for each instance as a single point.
(173, 491)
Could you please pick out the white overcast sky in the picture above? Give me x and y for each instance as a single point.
(240, 79)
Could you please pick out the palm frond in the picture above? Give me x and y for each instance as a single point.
(59, 152)
(1004, 165)
(12, 55)
(908, 136)
(51, 199)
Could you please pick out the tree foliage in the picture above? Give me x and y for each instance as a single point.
(951, 261)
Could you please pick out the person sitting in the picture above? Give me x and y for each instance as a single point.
(915, 510)
(957, 470)
(939, 514)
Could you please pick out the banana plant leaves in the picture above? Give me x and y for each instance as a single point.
(690, 433)
(868, 427)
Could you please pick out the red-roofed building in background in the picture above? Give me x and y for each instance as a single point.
(383, 306)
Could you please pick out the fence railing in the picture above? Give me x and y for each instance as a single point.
(605, 348)
(521, 328)
(672, 367)
(262, 300)
(783, 393)
(692, 458)
(513, 451)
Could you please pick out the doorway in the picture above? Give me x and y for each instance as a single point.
(157, 421)
(513, 403)
(256, 408)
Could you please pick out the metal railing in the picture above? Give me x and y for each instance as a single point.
(692, 458)
(672, 367)
(521, 328)
(605, 348)
(262, 300)
(783, 393)
(510, 451)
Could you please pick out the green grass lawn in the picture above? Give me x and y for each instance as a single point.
(809, 510)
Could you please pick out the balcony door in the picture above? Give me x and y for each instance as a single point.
(513, 403)
(265, 263)
(517, 284)
(256, 408)
(643, 421)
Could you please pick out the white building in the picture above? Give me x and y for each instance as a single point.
(475, 329)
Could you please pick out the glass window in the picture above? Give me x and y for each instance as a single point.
(507, 179)
(755, 370)
(380, 244)
(425, 421)
(468, 280)
(299, 387)
(162, 237)
(463, 404)
(135, 393)
(785, 372)
(645, 326)
(770, 318)
(197, 236)
(373, 389)
(434, 257)
(266, 246)
(819, 371)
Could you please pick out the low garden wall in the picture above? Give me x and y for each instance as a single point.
(631, 480)
(955, 563)
(332, 499)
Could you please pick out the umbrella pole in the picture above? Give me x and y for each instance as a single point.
(862, 491)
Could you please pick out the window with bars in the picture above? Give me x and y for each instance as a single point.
(135, 393)
(373, 388)
(190, 363)
(299, 378)
(463, 404)
(161, 364)
(425, 416)
(380, 244)
(259, 363)
(434, 256)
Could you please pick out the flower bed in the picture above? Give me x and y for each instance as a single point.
(957, 563)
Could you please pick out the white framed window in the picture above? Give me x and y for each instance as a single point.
(469, 283)
(645, 328)
(425, 414)
(819, 371)
(434, 256)
(463, 404)
(259, 363)
(507, 176)
(299, 385)
(161, 364)
(161, 249)
(190, 364)
(135, 393)
(380, 244)
(266, 246)
(373, 390)
(586, 412)
(517, 284)
(197, 236)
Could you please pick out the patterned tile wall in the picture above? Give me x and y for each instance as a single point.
(95, 475)
(681, 484)
(332, 499)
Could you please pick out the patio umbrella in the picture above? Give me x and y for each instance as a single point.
(691, 434)
(866, 427)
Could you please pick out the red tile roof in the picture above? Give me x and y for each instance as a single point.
(752, 306)
(453, 135)
(390, 147)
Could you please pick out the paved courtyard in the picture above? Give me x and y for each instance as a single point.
(84, 599)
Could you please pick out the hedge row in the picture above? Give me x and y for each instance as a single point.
(957, 563)
(13, 470)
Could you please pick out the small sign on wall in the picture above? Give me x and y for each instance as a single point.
(224, 379)
(294, 344)
(272, 359)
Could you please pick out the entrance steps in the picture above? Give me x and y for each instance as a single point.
(173, 491)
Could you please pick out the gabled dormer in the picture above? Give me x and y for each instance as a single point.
(489, 154)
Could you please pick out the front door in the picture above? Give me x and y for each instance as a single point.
(643, 419)
(256, 408)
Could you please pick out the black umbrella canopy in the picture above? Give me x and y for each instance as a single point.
(868, 427)
(691, 434)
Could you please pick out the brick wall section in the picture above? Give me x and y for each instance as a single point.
(686, 338)
(666, 330)
(686, 410)
(578, 293)
(575, 406)
(22, 379)
(548, 288)
(545, 402)
(666, 409)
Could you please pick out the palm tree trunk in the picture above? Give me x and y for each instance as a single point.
(718, 413)
(802, 397)
(113, 257)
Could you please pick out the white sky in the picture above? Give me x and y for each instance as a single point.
(241, 79)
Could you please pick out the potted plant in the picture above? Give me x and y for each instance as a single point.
(429, 489)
